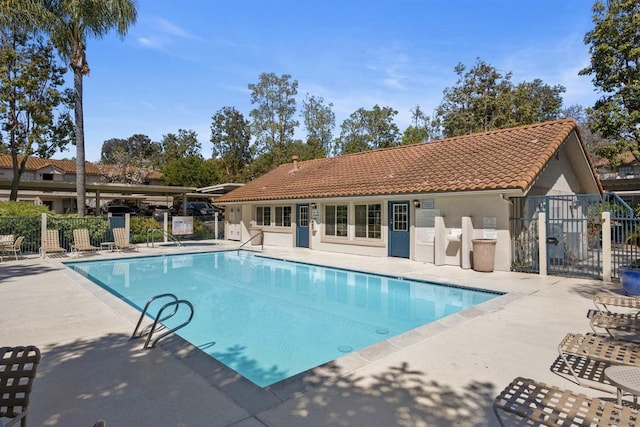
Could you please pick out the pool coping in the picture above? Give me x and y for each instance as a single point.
(255, 399)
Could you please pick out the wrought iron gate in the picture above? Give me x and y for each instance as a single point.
(625, 233)
(573, 234)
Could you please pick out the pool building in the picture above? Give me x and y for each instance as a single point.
(425, 202)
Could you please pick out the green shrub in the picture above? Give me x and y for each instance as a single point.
(23, 209)
(139, 227)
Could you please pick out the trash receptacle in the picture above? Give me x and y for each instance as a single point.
(256, 236)
(484, 252)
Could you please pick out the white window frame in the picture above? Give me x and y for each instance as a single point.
(369, 225)
(280, 216)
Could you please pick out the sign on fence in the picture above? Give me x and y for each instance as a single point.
(181, 225)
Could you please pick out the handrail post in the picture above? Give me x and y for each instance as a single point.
(253, 237)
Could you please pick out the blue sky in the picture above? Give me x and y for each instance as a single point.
(183, 61)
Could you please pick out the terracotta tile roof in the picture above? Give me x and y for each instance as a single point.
(36, 163)
(625, 158)
(67, 166)
(507, 159)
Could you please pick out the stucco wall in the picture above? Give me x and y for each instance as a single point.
(558, 176)
(488, 210)
(452, 209)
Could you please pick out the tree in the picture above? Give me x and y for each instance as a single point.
(184, 144)
(484, 99)
(190, 171)
(231, 139)
(273, 123)
(34, 110)
(369, 129)
(137, 146)
(70, 23)
(130, 160)
(615, 52)
(319, 121)
(536, 102)
(420, 128)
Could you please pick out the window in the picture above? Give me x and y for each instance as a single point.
(303, 216)
(263, 215)
(336, 220)
(625, 171)
(283, 216)
(400, 217)
(369, 221)
(47, 177)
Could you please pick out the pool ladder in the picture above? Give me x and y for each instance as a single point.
(156, 327)
(151, 236)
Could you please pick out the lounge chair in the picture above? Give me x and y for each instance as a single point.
(617, 325)
(82, 242)
(602, 351)
(528, 402)
(603, 300)
(121, 240)
(51, 243)
(17, 372)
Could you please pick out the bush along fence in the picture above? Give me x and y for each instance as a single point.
(100, 229)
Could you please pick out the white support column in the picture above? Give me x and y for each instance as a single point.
(165, 226)
(127, 224)
(465, 244)
(542, 243)
(606, 246)
(43, 233)
(215, 226)
(440, 241)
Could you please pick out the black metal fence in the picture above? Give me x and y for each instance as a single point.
(524, 236)
(99, 230)
(574, 234)
(625, 233)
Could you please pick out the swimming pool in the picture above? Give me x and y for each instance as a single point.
(270, 319)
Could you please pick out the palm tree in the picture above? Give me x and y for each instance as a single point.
(71, 22)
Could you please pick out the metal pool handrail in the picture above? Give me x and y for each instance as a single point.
(261, 234)
(158, 319)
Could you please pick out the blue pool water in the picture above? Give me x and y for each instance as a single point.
(270, 319)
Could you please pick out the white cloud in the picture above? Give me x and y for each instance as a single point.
(168, 28)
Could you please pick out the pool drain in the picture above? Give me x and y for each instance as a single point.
(345, 348)
(382, 331)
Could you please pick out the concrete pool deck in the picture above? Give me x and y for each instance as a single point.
(442, 374)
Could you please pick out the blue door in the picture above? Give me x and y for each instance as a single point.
(399, 229)
(302, 226)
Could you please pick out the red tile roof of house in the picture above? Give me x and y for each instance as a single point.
(507, 159)
(67, 166)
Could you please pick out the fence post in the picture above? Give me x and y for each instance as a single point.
(215, 225)
(606, 246)
(165, 226)
(43, 232)
(542, 243)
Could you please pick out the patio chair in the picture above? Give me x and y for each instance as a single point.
(15, 247)
(17, 372)
(82, 242)
(527, 402)
(602, 351)
(121, 240)
(6, 242)
(51, 243)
